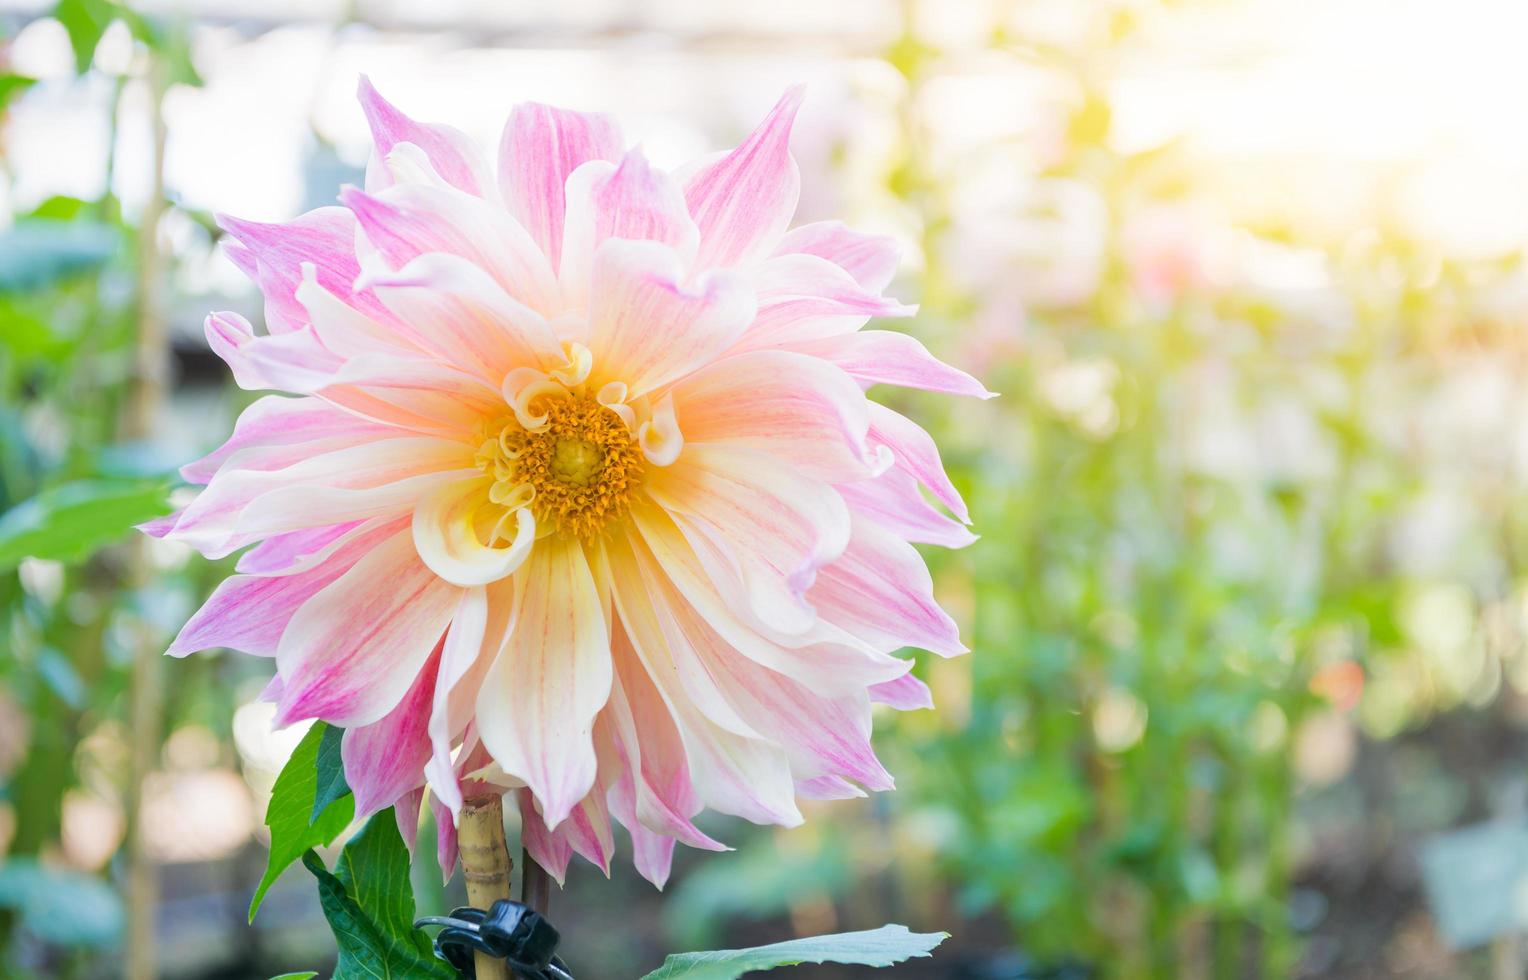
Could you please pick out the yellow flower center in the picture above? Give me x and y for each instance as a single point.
(580, 467)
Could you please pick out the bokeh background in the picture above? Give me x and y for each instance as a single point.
(1249, 689)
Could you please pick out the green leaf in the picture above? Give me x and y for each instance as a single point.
(70, 522)
(875, 947)
(331, 771)
(86, 21)
(67, 908)
(28, 336)
(12, 85)
(370, 908)
(294, 829)
(308, 975)
(36, 253)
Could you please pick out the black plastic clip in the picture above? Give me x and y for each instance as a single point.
(509, 931)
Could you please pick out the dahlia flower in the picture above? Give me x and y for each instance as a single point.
(575, 490)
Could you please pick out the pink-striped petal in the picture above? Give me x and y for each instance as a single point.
(450, 151)
(276, 254)
(648, 326)
(630, 200)
(880, 591)
(477, 632)
(371, 479)
(539, 151)
(277, 421)
(743, 201)
(296, 551)
(732, 772)
(250, 612)
(888, 357)
(761, 532)
(804, 411)
(410, 220)
(385, 759)
(826, 658)
(549, 849)
(353, 650)
(871, 259)
(537, 705)
(916, 454)
(465, 318)
(805, 298)
(906, 693)
(895, 501)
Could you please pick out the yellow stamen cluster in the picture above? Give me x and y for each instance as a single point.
(580, 468)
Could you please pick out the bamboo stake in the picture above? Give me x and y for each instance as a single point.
(145, 399)
(485, 866)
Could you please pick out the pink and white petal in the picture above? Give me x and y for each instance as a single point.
(829, 788)
(297, 551)
(291, 508)
(906, 693)
(537, 705)
(895, 501)
(804, 276)
(352, 651)
(652, 853)
(225, 506)
(804, 299)
(278, 421)
(419, 396)
(406, 812)
(743, 201)
(445, 834)
(229, 334)
(755, 526)
(460, 649)
(477, 633)
(549, 849)
(349, 334)
(871, 259)
(880, 591)
(463, 316)
(671, 569)
(385, 760)
(295, 361)
(648, 326)
(916, 455)
(650, 752)
(887, 357)
(541, 147)
(324, 238)
(735, 773)
(587, 828)
(250, 612)
(411, 220)
(806, 412)
(823, 735)
(451, 152)
(160, 527)
(630, 200)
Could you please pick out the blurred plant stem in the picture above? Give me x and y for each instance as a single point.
(536, 885)
(144, 403)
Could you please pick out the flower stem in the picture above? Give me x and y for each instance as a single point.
(485, 866)
(536, 889)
